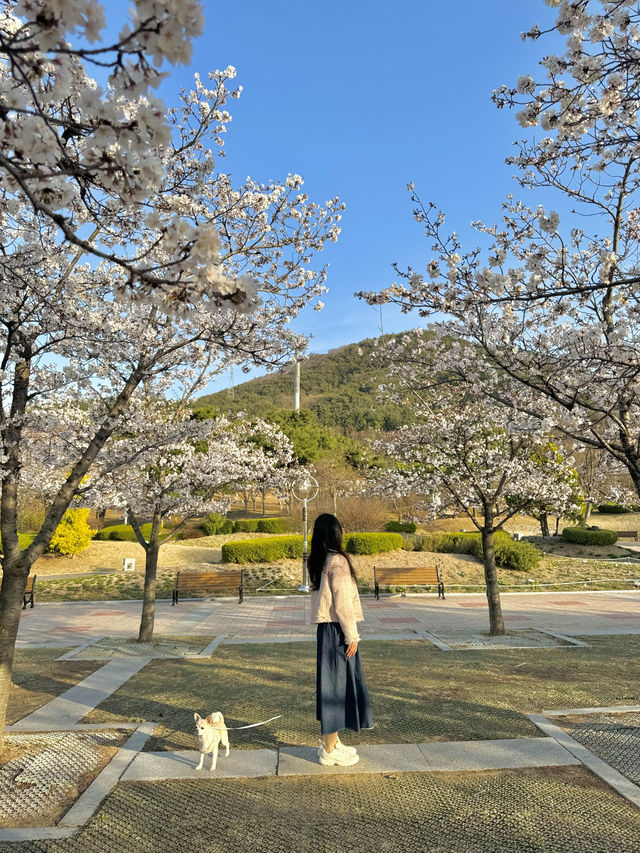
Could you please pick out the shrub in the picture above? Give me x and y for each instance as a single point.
(613, 509)
(274, 525)
(122, 533)
(262, 550)
(262, 525)
(400, 527)
(73, 534)
(581, 536)
(24, 540)
(371, 543)
(215, 523)
(281, 547)
(518, 556)
(245, 525)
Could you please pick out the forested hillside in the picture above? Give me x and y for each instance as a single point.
(339, 387)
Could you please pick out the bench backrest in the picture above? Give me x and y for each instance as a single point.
(209, 580)
(407, 576)
(30, 582)
(628, 533)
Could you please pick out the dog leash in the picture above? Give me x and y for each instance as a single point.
(253, 725)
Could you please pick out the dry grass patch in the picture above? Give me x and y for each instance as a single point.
(417, 692)
(38, 678)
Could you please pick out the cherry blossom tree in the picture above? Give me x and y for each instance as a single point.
(544, 315)
(481, 458)
(127, 259)
(84, 139)
(167, 465)
(602, 479)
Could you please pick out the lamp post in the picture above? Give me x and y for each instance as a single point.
(305, 489)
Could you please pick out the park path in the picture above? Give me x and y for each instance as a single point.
(289, 617)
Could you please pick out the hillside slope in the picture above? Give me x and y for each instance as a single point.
(340, 387)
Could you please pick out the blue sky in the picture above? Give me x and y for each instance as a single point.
(360, 98)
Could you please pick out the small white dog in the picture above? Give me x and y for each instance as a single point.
(211, 732)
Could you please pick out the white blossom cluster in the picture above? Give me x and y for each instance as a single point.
(475, 456)
(168, 464)
(544, 316)
(111, 160)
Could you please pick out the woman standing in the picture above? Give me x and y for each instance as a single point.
(342, 700)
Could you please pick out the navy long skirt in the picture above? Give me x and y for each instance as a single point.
(342, 698)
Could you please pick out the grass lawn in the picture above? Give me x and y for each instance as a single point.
(418, 693)
(559, 810)
(38, 677)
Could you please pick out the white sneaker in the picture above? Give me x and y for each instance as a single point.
(336, 756)
(348, 750)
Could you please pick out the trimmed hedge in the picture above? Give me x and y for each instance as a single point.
(613, 509)
(122, 533)
(584, 536)
(274, 525)
(511, 555)
(400, 527)
(372, 543)
(24, 540)
(262, 550)
(215, 523)
(262, 525)
(281, 547)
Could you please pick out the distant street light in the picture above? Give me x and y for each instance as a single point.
(305, 489)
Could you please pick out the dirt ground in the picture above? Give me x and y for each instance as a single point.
(108, 556)
(100, 575)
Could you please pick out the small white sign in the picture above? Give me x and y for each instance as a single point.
(129, 564)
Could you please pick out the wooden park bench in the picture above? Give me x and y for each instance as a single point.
(395, 576)
(627, 534)
(210, 582)
(28, 592)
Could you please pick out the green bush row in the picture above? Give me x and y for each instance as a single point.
(122, 533)
(372, 543)
(262, 550)
(24, 540)
(614, 509)
(262, 525)
(281, 547)
(584, 536)
(400, 527)
(515, 556)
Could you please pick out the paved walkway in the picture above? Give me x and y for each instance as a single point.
(289, 617)
(381, 758)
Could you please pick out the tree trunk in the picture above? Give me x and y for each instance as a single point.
(543, 518)
(558, 520)
(145, 634)
(263, 500)
(14, 581)
(335, 503)
(245, 498)
(496, 622)
(587, 512)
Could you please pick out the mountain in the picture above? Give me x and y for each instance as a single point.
(339, 387)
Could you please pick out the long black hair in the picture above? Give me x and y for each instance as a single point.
(327, 536)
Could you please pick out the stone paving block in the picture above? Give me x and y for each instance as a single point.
(496, 754)
(241, 763)
(381, 758)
